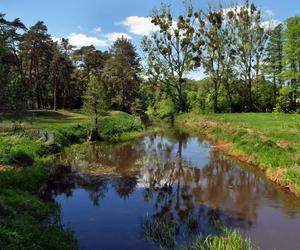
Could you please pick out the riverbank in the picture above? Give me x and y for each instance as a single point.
(270, 142)
(27, 150)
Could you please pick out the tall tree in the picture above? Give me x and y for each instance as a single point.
(36, 48)
(121, 74)
(249, 43)
(61, 69)
(217, 56)
(171, 52)
(273, 60)
(291, 73)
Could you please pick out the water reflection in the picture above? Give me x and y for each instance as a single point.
(168, 177)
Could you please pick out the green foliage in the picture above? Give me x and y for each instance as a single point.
(19, 150)
(228, 240)
(24, 233)
(26, 179)
(165, 109)
(121, 75)
(68, 136)
(94, 101)
(114, 125)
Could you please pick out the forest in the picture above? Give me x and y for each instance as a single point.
(194, 133)
(250, 66)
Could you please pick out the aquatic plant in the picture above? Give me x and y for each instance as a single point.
(161, 231)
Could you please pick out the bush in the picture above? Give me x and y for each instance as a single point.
(18, 150)
(20, 157)
(119, 123)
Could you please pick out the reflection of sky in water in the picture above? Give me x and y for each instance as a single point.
(195, 152)
(107, 214)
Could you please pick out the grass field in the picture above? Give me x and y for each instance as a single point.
(41, 120)
(269, 141)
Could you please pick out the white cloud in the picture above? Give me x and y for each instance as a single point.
(79, 27)
(139, 25)
(269, 13)
(79, 39)
(112, 37)
(56, 39)
(270, 24)
(97, 30)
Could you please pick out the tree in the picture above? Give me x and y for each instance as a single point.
(94, 103)
(217, 58)
(273, 60)
(291, 73)
(61, 69)
(121, 74)
(171, 52)
(90, 60)
(249, 43)
(36, 49)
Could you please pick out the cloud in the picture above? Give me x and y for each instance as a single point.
(56, 39)
(79, 39)
(269, 13)
(112, 37)
(79, 27)
(270, 24)
(97, 30)
(139, 25)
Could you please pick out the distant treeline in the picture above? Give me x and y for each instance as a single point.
(251, 64)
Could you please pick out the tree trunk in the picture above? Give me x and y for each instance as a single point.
(55, 96)
(215, 97)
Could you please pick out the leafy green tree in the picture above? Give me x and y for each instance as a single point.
(273, 60)
(249, 44)
(94, 103)
(217, 59)
(171, 52)
(291, 73)
(121, 74)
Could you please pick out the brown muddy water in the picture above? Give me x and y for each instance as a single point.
(125, 196)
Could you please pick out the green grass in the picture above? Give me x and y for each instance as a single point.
(44, 119)
(270, 141)
(228, 240)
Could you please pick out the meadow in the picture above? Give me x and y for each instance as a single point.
(269, 141)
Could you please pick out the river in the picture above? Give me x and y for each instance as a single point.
(114, 196)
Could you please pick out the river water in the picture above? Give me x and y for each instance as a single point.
(125, 196)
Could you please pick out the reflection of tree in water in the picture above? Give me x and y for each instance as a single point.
(96, 186)
(115, 156)
(221, 193)
(124, 186)
(196, 200)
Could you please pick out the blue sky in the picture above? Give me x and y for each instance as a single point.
(107, 19)
(100, 22)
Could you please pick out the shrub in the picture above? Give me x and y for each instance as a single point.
(118, 123)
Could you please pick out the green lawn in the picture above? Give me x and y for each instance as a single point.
(268, 140)
(42, 120)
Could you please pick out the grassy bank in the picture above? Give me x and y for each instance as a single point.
(26, 154)
(270, 142)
